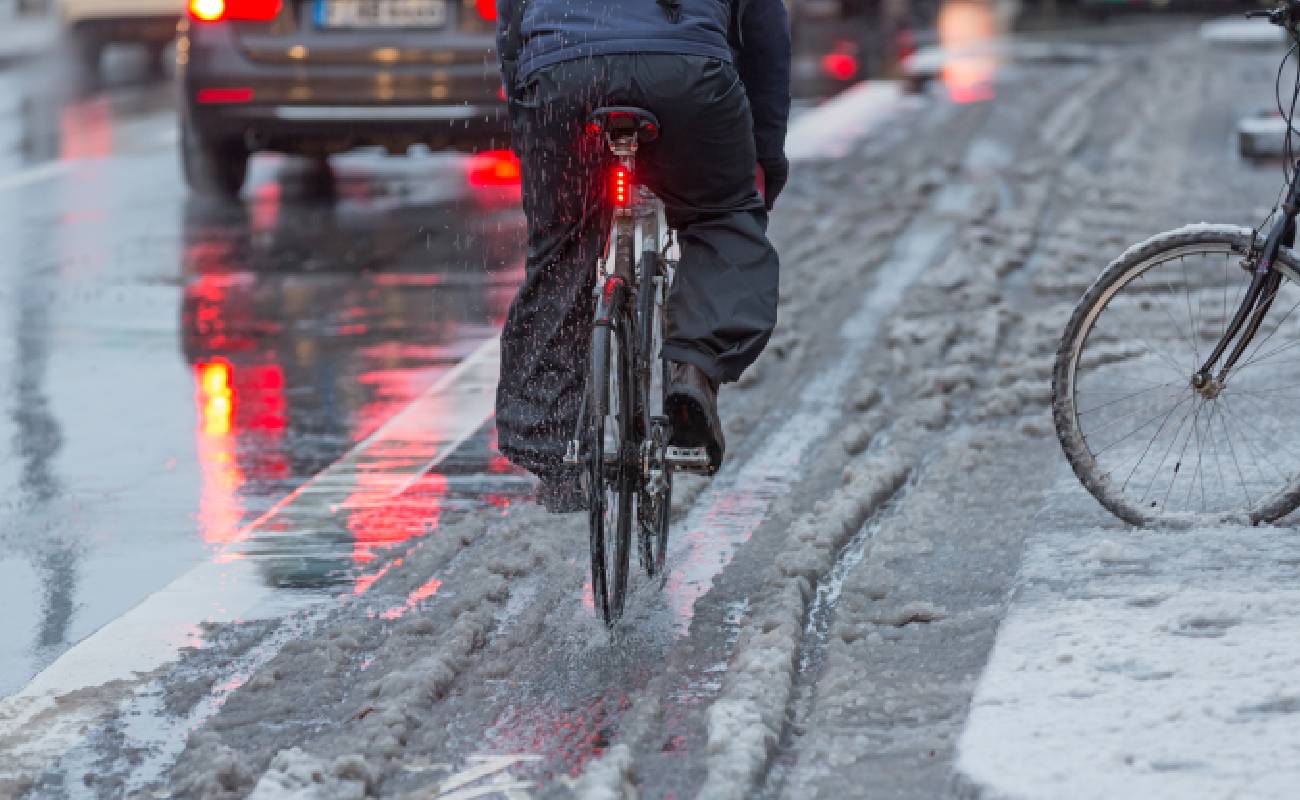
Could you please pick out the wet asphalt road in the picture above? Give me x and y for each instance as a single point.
(173, 367)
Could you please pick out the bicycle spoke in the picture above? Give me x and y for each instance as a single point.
(1178, 465)
(1172, 441)
(1122, 399)
(1129, 415)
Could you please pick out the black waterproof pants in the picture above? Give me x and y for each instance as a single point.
(723, 304)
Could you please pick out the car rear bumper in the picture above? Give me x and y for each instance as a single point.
(331, 107)
(334, 128)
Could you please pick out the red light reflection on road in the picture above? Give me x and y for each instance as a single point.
(573, 736)
(413, 599)
(86, 129)
(965, 27)
(220, 509)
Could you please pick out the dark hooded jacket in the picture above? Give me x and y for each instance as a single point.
(752, 34)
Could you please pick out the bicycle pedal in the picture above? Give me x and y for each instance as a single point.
(689, 459)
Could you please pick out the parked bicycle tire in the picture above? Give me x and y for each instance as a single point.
(611, 468)
(1185, 283)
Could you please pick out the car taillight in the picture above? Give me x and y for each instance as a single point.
(487, 9)
(622, 186)
(237, 10)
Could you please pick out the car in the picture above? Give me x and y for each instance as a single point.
(320, 77)
(91, 25)
(840, 42)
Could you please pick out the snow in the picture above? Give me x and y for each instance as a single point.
(1164, 666)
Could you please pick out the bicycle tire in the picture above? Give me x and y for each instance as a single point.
(611, 487)
(1229, 241)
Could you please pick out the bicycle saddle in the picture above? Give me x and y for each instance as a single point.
(624, 121)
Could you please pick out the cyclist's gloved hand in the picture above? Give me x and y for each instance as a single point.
(776, 171)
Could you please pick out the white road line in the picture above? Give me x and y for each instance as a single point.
(35, 174)
(52, 714)
(1146, 666)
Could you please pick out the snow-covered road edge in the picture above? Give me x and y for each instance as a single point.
(1160, 665)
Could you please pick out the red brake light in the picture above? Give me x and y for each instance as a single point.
(494, 168)
(239, 10)
(231, 94)
(622, 186)
(487, 9)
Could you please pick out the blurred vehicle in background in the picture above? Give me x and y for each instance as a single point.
(840, 42)
(92, 25)
(319, 77)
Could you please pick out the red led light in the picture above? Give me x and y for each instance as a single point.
(487, 9)
(622, 185)
(225, 94)
(241, 10)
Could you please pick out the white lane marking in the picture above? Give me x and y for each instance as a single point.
(35, 174)
(53, 713)
(1145, 666)
(832, 128)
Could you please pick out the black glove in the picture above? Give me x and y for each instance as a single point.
(776, 171)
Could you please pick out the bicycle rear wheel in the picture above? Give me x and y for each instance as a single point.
(1152, 448)
(611, 464)
(654, 501)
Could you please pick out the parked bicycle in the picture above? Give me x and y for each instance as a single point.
(621, 438)
(1174, 378)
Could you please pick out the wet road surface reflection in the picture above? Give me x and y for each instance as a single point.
(174, 367)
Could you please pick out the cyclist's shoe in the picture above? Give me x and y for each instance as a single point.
(563, 493)
(692, 408)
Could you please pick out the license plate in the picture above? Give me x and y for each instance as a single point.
(381, 13)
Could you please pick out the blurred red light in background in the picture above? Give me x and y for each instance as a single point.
(242, 10)
(231, 94)
(494, 168)
(487, 9)
(840, 65)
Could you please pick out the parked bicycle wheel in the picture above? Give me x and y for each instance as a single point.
(1145, 441)
(611, 463)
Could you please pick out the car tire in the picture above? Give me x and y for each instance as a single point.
(87, 52)
(216, 169)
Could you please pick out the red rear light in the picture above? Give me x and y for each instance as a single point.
(238, 10)
(487, 9)
(494, 168)
(622, 186)
(225, 94)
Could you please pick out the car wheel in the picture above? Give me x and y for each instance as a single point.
(87, 52)
(213, 168)
(158, 59)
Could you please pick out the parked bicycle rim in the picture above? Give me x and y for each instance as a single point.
(611, 464)
(1147, 444)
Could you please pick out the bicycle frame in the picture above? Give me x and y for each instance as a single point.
(1259, 297)
(638, 219)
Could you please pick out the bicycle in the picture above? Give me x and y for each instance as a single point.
(621, 441)
(1163, 387)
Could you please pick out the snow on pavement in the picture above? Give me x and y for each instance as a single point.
(1159, 665)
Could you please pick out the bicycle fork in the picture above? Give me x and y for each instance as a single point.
(1264, 284)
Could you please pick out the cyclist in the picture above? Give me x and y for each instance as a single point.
(717, 75)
